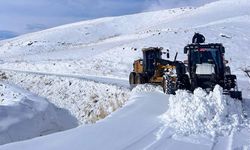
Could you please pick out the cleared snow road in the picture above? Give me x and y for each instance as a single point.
(99, 79)
(88, 101)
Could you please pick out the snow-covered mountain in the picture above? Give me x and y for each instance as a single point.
(83, 68)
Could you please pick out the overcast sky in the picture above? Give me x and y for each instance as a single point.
(23, 16)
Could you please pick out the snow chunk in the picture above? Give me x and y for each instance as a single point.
(198, 113)
(146, 88)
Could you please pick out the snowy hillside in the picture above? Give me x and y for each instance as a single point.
(81, 71)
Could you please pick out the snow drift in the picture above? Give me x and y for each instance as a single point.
(24, 115)
(202, 113)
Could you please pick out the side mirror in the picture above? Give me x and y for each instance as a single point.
(225, 61)
(185, 50)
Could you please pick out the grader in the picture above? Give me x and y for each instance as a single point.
(155, 70)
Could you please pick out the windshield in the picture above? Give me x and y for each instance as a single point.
(206, 55)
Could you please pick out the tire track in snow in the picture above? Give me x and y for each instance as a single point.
(145, 141)
(140, 141)
(230, 140)
(225, 143)
(160, 136)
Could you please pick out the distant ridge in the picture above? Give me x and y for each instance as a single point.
(7, 34)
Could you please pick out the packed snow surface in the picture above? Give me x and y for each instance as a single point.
(72, 66)
(202, 113)
(136, 126)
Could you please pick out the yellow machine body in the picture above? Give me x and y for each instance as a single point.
(157, 78)
(138, 66)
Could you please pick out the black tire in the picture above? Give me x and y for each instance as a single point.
(139, 79)
(132, 78)
(230, 82)
(168, 86)
(193, 84)
(227, 70)
(183, 82)
(163, 84)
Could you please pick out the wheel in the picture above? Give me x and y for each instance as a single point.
(168, 85)
(163, 84)
(132, 78)
(227, 70)
(183, 82)
(193, 84)
(230, 82)
(139, 79)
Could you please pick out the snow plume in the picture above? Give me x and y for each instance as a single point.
(211, 114)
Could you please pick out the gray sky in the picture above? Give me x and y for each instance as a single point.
(23, 16)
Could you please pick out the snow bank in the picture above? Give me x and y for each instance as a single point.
(24, 116)
(86, 100)
(200, 112)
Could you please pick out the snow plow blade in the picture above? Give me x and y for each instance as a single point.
(234, 94)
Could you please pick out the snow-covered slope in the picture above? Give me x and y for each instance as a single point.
(103, 51)
(85, 33)
(108, 43)
(24, 115)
